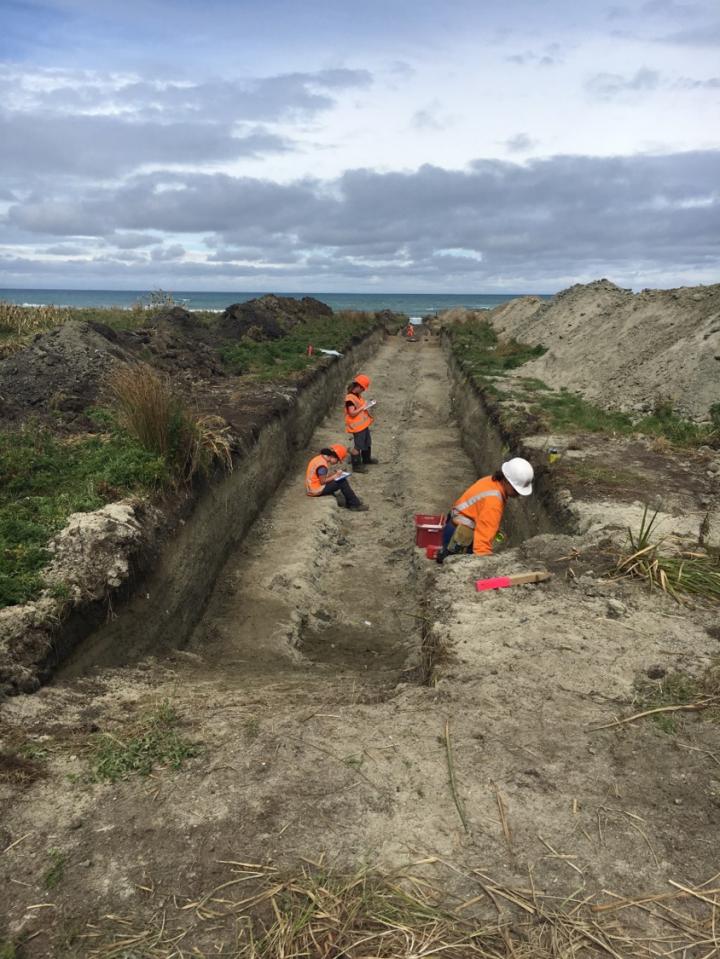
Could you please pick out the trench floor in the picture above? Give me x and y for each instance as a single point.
(317, 745)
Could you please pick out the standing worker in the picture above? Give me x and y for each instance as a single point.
(474, 520)
(324, 477)
(358, 421)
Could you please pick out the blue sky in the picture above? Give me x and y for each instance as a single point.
(329, 146)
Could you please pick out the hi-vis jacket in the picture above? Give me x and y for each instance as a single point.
(481, 508)
(357, 415)
(313, 486)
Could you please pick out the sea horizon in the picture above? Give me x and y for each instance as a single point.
(411, 304)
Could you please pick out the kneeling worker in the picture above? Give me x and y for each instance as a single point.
(324, 477)
(474, 520)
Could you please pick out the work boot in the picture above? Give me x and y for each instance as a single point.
(357, 464)
(440, 556)
(359, 508)
(368, 458)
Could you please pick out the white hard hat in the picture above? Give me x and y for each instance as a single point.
(519, 474)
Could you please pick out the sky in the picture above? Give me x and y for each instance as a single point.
(385, 146)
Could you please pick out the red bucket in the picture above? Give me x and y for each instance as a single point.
(431, 551)
(429, 529)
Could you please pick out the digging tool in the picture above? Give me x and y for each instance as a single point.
(499, 582)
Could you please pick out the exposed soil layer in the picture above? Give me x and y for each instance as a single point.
(300, 686)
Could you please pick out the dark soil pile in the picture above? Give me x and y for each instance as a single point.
(59, 373)
(270, 317)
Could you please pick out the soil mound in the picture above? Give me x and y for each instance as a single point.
(59, 371)
(270, 317)
(624, 350)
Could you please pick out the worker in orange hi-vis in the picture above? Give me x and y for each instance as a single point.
(474, 520)
(324, 476)
(358, 421)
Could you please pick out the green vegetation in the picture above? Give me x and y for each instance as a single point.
(483, 354)
(8, 950)
(598, 474)
(155, 741)
(696, 574)
(680, 689)
(272, 359)
(43, 479)
(56, 870)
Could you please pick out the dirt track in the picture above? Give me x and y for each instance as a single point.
(317, 739)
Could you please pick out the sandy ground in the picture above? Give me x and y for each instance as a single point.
(302, 686)
(624, 350)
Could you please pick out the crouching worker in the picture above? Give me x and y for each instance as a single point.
(474, 520)
(325, 477)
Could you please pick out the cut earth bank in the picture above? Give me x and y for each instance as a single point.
(316, 739)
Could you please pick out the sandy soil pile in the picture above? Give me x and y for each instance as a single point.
(624, 350)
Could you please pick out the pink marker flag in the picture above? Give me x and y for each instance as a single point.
(500, 582)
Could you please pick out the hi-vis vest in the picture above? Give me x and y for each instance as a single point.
(481, 508)
(357, 418)
(313, 486)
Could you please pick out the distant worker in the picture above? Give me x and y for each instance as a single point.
(410, 332)
(474, 520)
(324, 477)
(358, 421)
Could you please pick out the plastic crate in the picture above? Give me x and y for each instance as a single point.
(428, 529)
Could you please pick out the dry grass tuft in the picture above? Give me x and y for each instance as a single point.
(150, 410)
(259, 913)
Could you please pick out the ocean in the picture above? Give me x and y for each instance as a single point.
(411, 304)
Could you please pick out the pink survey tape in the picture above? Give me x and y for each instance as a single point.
(497, 582)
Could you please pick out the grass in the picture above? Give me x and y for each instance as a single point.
(155, 741)
(695, 574)
(272, 359)
(258, 912)
(680, 689)
(598, 475)
(482, 354)
(150, 410)
(55, 872)
(43, 479)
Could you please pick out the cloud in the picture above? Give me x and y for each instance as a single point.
(36, 145)
(520, 143)
(608, 86)
(548, 57)
(560, 216)
(431, 117)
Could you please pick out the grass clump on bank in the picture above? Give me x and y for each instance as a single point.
(44, 479)
(482, 354)
(695, 574)
(154, 742)
(271, 359)
(150, 410)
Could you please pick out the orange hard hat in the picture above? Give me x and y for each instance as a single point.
(339, 450)
(362, 380)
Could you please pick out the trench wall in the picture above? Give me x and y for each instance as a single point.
(488, 443)
(167, 602)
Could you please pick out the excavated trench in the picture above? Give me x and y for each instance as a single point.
(313, 590)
